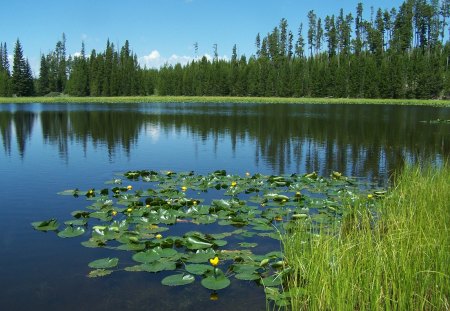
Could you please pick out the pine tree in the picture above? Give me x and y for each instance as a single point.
(43, 81)
(5, 75)
(29, 80)
(330, 34)
(300, 45)
(22, 79)
(312, 19)
(78, 83)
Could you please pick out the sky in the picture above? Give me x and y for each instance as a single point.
(159, 31)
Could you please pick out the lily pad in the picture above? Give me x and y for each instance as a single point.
(178, 279)
(158, 266)
(198, 269)
(46, 225)
(104, 263)
(154, 254)
(193, 242)
(247, 276)
(216, 282)
(99, 272)
(71, 232)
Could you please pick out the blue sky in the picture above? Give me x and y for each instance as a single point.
(158, 30)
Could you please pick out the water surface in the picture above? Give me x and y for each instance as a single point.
(52, 147)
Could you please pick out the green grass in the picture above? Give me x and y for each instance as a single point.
(397, 260)
(221, 99)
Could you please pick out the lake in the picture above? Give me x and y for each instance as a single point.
(52, 147)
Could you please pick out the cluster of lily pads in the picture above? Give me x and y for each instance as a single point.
(140, 210)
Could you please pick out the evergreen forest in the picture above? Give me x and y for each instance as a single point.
(401, 52)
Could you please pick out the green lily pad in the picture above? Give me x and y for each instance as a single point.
(216, 282)
(154, 254)
(100, 215)
(76, 222)
(198, 269)
(193, 242)
(93, 243)
(178, 279)
(99, 272)
(104, 263)
(158, 266)
(131, 247)
(247, 276)
(46, 225)
(71, 232)
(200, 256)
(72, 192)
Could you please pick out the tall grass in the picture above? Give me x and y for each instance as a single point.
(397, 258)
(222, 99)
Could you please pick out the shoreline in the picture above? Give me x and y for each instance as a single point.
(223, 99)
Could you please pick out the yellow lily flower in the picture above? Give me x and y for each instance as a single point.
(214, 262)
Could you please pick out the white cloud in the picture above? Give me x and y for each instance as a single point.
(156, 60)
(153, 55)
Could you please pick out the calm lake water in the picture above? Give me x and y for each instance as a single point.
(49, 148)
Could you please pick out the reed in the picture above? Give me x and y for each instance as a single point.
(394, 258)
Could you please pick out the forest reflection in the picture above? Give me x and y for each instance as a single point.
(358, 140)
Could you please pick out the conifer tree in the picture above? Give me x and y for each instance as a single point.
(22, 79)
(43, 81)
(5, 75)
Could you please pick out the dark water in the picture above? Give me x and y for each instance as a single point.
(49, 148)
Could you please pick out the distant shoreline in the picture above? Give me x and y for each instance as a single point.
(223, 99)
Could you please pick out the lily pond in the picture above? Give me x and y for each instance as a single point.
(181, 206)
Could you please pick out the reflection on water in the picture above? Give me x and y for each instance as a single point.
(367, 141)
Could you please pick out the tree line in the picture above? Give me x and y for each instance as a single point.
(398, 53)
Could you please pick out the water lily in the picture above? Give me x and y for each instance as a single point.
(129, 210)
(159, 236)
(214, 261)
(129, 187)
(369, 196)
(147, 205)
(233, 184)
(114, 213)
(247, 174)
(184, 188)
